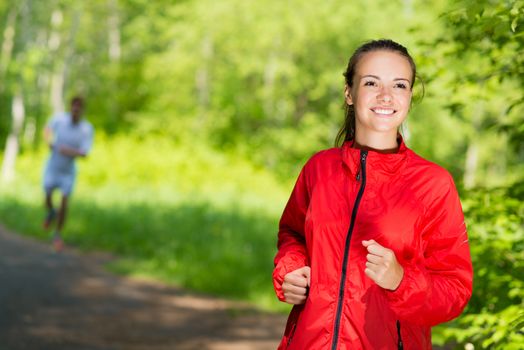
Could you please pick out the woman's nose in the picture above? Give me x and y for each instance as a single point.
(384, 95)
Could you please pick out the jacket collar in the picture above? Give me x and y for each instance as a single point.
(385, 164)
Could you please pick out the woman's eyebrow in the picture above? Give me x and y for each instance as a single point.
(378, 78)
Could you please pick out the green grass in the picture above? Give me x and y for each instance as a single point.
(197, 218)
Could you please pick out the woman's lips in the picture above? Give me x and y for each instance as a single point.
(383, 111)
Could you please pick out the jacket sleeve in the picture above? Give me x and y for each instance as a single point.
(438, 284)
(292, 253)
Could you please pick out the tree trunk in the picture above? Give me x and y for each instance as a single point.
(7, 44)
(408, 8)
(70, 48)
(270, 71)
(202, 79)
(57, 77)
(472, 156)
(472, 153)
(7, 172)
(115, 52)
(12, 144)
(113, 24)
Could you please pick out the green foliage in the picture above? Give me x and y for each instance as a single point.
(488, 99)
(476, 72)
(263, 79)
(494, 316)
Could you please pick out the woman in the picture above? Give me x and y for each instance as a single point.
(372, 245)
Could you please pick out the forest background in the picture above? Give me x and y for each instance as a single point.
(205, 112)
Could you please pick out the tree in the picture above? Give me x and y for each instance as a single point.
(484, 60)
(477, 56)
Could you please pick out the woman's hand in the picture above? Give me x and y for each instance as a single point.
(382, 266)
(296, 284)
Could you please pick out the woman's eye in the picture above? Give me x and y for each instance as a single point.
(370, 83)
(401, 85)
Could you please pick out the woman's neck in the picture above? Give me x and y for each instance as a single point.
(377, 142)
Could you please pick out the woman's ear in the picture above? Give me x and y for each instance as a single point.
(347, 94)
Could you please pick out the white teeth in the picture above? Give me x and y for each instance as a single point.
(383, 111)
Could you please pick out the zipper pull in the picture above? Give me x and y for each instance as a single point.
(363, 156)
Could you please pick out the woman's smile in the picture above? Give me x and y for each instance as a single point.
(382, 111)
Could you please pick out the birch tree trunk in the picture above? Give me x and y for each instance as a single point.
(115, 52)
(202, 80)
(12, 144)
(7, 172)
(70, 48)
(113, 24)
(472, 152)
(470, 168)
(270, 70)
(60, 73)
(7, 45)
(57, 77)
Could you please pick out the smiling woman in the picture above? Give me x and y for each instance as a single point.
(372, 245)
(388, 91)
(381, 97)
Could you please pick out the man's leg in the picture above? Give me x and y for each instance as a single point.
(50, 210)
(49, 200)
(62, 213)
(58, 242)
(50, 183)
(66, 186)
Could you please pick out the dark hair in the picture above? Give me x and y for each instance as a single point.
(347, 131)
(77, 99)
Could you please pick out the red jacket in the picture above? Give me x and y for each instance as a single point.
(405, 203)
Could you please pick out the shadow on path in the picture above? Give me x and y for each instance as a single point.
(68, 301)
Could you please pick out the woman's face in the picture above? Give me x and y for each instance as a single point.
(381, 94)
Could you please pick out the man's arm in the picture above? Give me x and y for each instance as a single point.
(70, 151)
(48, 136)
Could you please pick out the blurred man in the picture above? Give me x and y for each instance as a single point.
(69, 136)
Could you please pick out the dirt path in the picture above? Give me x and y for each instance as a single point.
(52, 301)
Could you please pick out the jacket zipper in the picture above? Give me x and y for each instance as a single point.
(400, 345)
(291, 335)
(360, 176)
(294, 317)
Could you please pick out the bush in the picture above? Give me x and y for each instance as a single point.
(494, 317)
